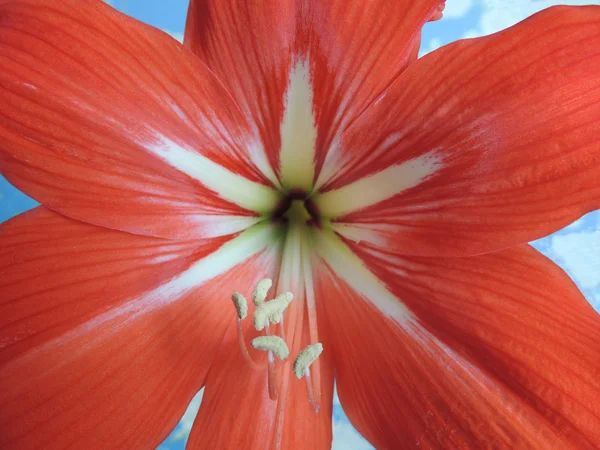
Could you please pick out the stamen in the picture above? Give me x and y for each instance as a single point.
(271, 377)
(309, 391)
(272, 343)
(244, 349)
(305, 358)
(313, 328)
(282, 328)
(302, 369)
(241, 305)
(260, 291)
(272, 311)
(276, 317)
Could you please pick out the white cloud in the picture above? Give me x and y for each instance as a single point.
(578, 254)
(433, 44)
(576, 225)
(186, 422)
(457, 8)
(594, 299)
(500, 14)
(345, 437)
(472, 33)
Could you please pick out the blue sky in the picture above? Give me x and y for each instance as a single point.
(576, 248)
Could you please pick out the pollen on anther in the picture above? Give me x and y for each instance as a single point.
(305, 358)
(276, 317)
(241, 306)
(271, 343)
(261, 290)
(271, 311)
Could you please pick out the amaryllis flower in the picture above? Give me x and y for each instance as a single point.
(299, 141)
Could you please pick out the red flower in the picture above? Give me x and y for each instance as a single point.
(294, 140)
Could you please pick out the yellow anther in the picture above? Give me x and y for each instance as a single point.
(276, 317)
(260, 291)
(271, 311)
(305, 358)
(272, 343)
(241, 306)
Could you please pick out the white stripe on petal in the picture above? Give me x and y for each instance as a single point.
(216, 225)
(259, 238)
(228, 185)
(351, 269)
(298, 131)
(260, 160)
(378, 187)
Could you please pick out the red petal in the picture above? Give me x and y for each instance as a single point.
(352, 51)
(481, 145)
(106, 336)
(439, 12)
(497, 351)
(236, 411)
(112, 122)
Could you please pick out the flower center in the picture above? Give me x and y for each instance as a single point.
(297, 212)
(299, 209)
